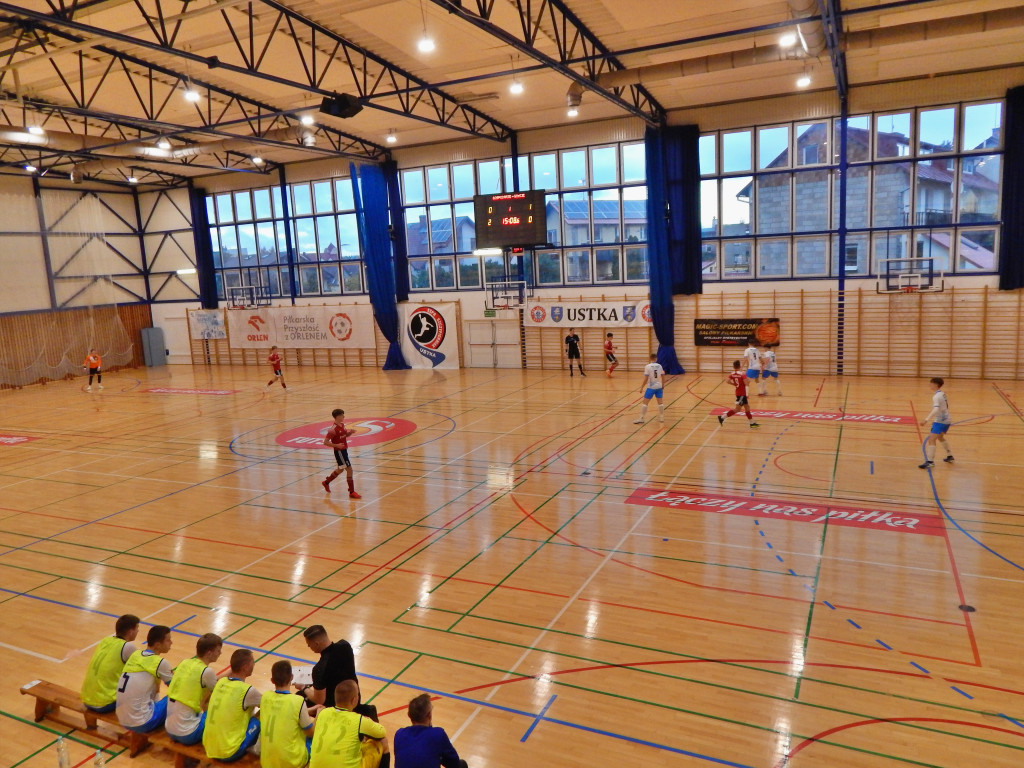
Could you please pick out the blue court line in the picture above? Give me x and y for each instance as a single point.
(914, 664)
(183, 621)
(872, 465)
(962, 693)
(538, 718)
(826, 602)
(761, 532)
(884, 645)
(942, 509)
(792, 571)
(1015, 722)
(442, 694)
(779, 558)
(769, 545)
(854, 623)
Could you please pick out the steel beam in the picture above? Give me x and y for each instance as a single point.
(832, 20)
(573, 41)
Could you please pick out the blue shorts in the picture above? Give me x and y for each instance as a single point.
(753, 373)
(767, 374)
(155, 720)
(252, 733)
(193, 738)
(939, 429)
(103, 710)
(652, 393)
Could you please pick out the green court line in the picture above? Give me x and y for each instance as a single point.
(68, 735)
(236, 631)
(394, 678)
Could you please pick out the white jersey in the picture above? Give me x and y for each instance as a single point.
(753, 358)
(768, 356)
(137, 692)
(654, 373)
(940, 407)
(181, 719)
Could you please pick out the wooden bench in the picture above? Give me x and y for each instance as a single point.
(53, 702)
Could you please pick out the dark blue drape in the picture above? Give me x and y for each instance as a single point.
(673, 229)
(371, 198)
(1011, 253)
(398, 242)
(207, 273)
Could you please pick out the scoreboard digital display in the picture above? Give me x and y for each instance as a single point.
(511, 219)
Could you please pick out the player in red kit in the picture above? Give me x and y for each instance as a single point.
(275, 362)
(337, 438)
(739, 380)
(609, 354)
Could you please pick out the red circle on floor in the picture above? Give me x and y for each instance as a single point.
(368, 430)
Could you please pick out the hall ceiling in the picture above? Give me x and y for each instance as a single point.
(105, 80)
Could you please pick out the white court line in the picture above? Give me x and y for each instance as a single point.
(32, 653)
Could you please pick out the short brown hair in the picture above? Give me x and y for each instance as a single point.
(345, 691)
(126, 624)
(419, 708)
(316, 630)
(937, 380)
(157, 634)
(337, 412)
(208, 642)
(736, 364)
(239, 658)
(281, 672)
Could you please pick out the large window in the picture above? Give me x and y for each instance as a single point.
(922, 183)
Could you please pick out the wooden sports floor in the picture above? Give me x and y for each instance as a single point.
(573, 588)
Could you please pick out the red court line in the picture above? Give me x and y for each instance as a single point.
(963, 600)
(654, 436)
(983, 685)
(819, 736)
(818, 394)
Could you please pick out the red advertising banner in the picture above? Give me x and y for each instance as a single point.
(15, 439)
(782, 509)
(876, 418)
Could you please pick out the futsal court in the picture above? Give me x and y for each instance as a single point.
(572, 588)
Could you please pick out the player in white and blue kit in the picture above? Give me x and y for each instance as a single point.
(753, 359)
(940, 420)
(769, 370)
(653, 376)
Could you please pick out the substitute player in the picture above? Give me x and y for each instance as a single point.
(138, 708)
(275, 362)
(285, 722)
(753, 359)
(572, 351)
(99, 689)
(769, 370)
(653, 375)
(337, 437)
(94, 365)
(940, 420)
(609, 354)
(190, 687)
(739, 381)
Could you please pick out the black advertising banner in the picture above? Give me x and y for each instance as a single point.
(717, 332)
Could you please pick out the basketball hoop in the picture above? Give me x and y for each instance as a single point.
(908, 288)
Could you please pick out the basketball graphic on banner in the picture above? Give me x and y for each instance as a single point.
(368, 430)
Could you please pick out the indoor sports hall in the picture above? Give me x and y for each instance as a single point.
(470, 225)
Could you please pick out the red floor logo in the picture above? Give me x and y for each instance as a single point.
(368, 430)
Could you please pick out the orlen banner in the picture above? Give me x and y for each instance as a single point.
(338, 327)
(430, 335)
(587, 314)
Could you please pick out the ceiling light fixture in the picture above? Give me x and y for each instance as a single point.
(426, 42)
(572, 112)
(803, 81)
(133, 179)
(163, 143)
(35, 130)
(573, 98)
(391, 137)
(309, 140)
(788, 40)
(306, 120)
(30, 168)
(191, 94)
(257, 160)
(515, 87)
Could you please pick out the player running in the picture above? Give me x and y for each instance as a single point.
(739, 381)
(653, 376)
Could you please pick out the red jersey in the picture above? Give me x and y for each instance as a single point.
(608, 346)
(337, 437)
(275, 361)
(739, 380)
(92, 361)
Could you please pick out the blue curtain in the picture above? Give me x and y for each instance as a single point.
(1011, 255)
(371, 198)
(398, 241)
(673, 229)
(204, 248)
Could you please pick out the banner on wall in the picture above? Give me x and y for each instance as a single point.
(588, 314)
(430, 335)
(338, 327)
(207, 324)
(716, 332)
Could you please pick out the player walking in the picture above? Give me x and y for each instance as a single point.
(653, 375)
(769, 370)
(572, 351)
(941, 420)
(275, 362)
(753, 360)
(609, 354)
(739, 381)
(94, 365)
(337, 437)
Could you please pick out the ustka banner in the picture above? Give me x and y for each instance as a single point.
(430, 335)
(588, 314)
(337, 327)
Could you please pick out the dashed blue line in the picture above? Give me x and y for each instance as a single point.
(769, 545)
(913, 664)
(854, 623)
(884, 645)
(1018, 723)
(872, 467)
(826, 602)
(779, 558)
(761, 532)
(792, 571)
(962, 693)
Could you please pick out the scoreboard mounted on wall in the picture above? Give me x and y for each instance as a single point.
(511, 219)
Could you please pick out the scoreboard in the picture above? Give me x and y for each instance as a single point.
(510, 219)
